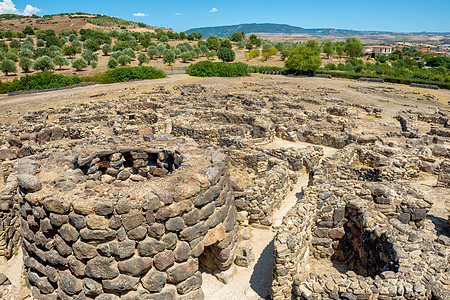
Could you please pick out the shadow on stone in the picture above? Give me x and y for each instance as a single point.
(441, 225)
(261, 279)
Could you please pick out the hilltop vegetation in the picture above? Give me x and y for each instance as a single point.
(68, 21)
(93, 51)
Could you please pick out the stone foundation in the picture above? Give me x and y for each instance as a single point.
(92, 233)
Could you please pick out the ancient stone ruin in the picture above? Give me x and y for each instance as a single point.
(143, 195)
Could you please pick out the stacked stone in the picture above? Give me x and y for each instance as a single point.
(375, 227)
(207, 133)
(292, 249)
(129, 162)
(9, 220)
(444, 174)
(142, 245)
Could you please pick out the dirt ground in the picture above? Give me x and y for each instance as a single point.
(396, 97)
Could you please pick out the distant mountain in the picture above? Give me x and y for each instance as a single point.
(270, 28)
(223, 31)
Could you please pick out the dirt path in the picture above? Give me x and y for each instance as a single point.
(254, 282)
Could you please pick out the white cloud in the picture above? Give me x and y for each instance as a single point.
(178, 14)
(213, 10)
(140, 15)
(8, 7)
(30, 10)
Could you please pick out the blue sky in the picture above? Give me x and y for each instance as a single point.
(392, 15)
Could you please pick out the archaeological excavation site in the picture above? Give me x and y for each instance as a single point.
(260, 187)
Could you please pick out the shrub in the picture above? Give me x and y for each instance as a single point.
(43, 63)
(46, 80)
(79, 63)
(8, 66)
(330, 66)
(226, 54)
(129, 73)
(216, 69)
(112, 63)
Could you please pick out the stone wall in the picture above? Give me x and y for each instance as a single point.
(372, 227)
(9, 220)
(90, 239)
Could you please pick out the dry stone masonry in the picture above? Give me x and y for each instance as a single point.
(134, 195)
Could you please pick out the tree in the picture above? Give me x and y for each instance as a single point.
(240, 44)
(26, 53)
(226, 54)
(79, 63)
(169, 57)
(249, 46)
(182, 35)
(8, 66)
(53, 40)
(130, 53)
(76, 43)
(106, 49)
(303, 59)
(213, 43)
(151, 52)
(185, 56)
(25, 64)
(211, 54)
(313, 45)
(204, 49)
(164, 39)
(112, 63)
(69, 50)
(143, 58)
(89, 56)
(43, 63)
(123, 60)
(12, 55)
(60, 61)
(353, 47)
(28, 30)
(339, 47)
(237, 37)
(40, 43)
(284, 54)
(15, 44)
(328, 48)
(192, 36)
(226, 44)
(268, 53)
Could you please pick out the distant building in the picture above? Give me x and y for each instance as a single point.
(377, 50)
